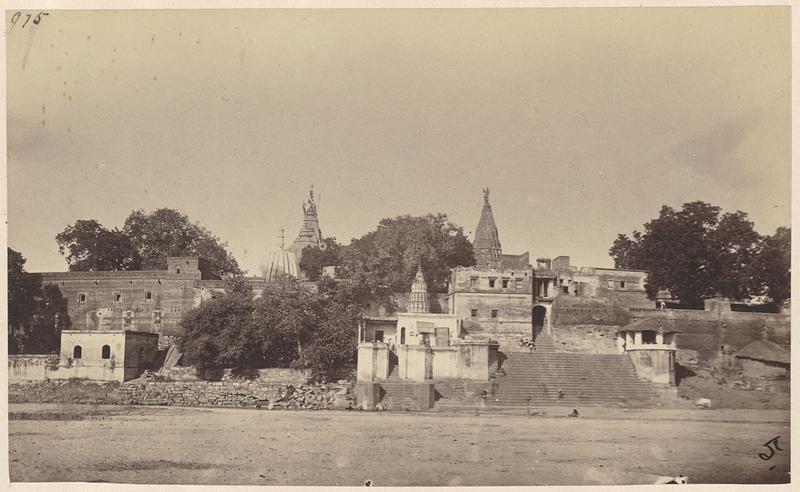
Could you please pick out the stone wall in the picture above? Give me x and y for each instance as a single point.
(241, 393)
(704, 333)
(585, 311)
(31, 367)
(244, 393)
(595, 339)
(270, 375)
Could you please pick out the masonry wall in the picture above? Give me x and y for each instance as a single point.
(595, 339)
(119, 300)
(568, 310)
(31, 367)
(239, 393)
(704, 333)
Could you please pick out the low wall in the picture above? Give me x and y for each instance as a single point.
(32, 367)
(252, 394)
(269, 375)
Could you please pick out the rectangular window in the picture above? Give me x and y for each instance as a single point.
(505, 283)
(148, 296)
(610, 284)
(117, 297)
(518, 284)
(491, 283)
(82, 298)
(565, 289)
(648, 337)
(494, 313)
(378, 335)
(473, 282)
(622, 284)
(473, 313)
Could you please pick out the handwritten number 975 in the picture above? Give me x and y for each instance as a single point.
(16, 16)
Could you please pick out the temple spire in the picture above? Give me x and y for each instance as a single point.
(418, 300)
(488, 251)
(310, 233)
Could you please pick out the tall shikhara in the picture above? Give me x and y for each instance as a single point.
(310, 234)
(487, 243)
(418, 300)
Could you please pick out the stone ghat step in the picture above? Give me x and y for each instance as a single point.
(567, 369)
(577, 404)
(555, 386)
(567, 373)
(521, 398)
(575, 373)
(523, 357)
(569, 400)
(572, 389)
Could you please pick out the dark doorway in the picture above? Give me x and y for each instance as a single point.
(539, 314)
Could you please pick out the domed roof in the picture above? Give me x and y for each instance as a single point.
(281, 262)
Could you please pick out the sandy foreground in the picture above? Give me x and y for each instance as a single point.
(51, 442)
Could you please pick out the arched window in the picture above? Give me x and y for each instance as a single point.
(106, 352)
(77, 352)
(403, 335)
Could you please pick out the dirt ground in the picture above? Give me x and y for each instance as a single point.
(52, 442)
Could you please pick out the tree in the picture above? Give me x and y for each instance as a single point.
(166, 232)
(218, 334)
(693, 252)
(91, 247)
(145, 241)
(313, 259)
(773, 265)
(391, 254)
(36, 313)
(288, 326)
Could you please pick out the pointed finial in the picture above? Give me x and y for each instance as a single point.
(486, 196)
(282, 239)
(311, 192)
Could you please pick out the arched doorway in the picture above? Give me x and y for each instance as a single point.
(539, 317)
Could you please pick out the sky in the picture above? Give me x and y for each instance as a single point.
(582, 122)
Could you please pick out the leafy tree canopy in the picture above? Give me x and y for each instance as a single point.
(36, 313)
(696, 253)
(388, 257)
(88, 246)
(288, 326)
(145, 242)
(313, 259)
(773, 264)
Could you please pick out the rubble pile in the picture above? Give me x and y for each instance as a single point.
(245, 394)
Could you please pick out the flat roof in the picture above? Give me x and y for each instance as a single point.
(110, 332)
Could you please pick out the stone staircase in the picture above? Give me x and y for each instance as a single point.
(544, 377)
(397, 394)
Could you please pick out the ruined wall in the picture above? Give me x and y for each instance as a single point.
(243, 393)
(704, 332)
(269, 375)
(246, 393)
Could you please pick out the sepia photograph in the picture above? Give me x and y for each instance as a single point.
(398, 247)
